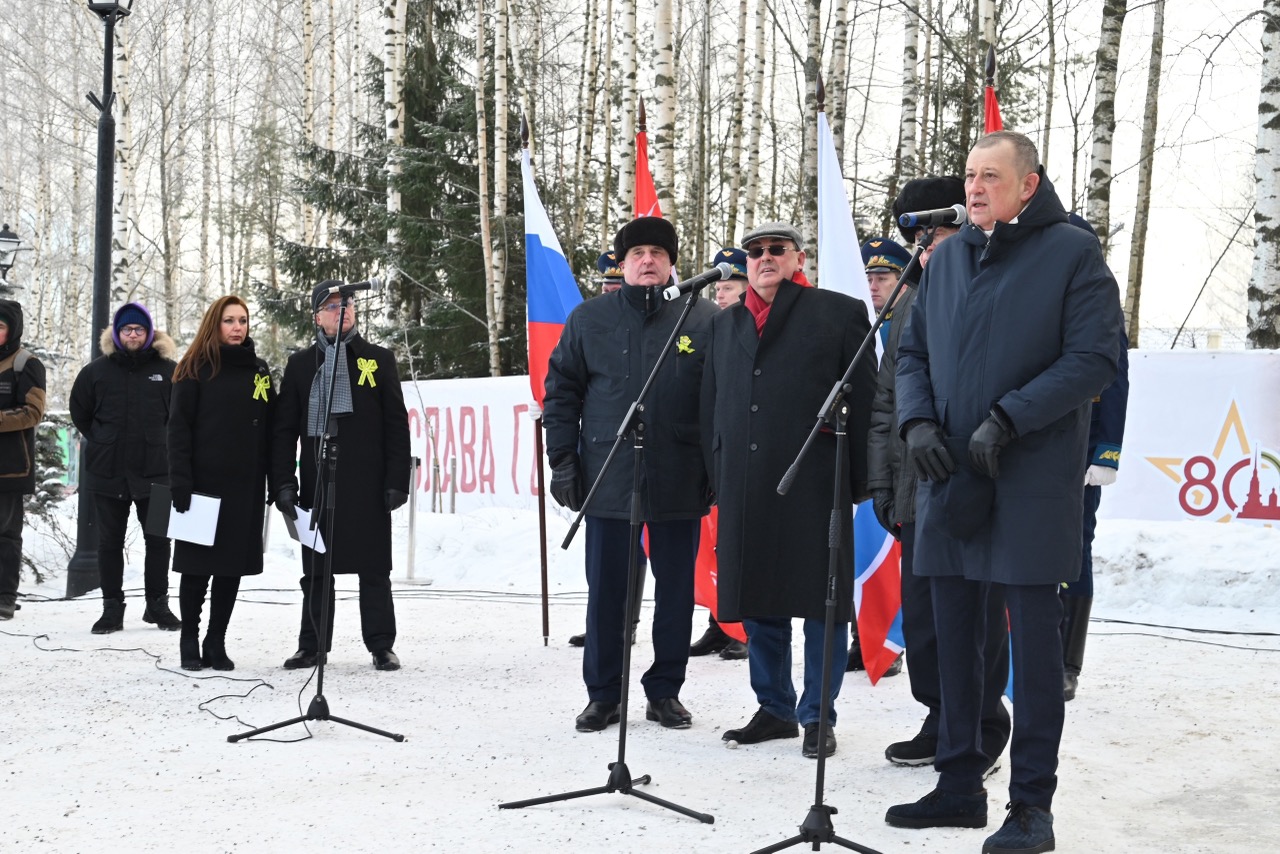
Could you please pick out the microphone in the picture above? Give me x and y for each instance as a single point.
(373, 284)
(954, 215)
(723, 270)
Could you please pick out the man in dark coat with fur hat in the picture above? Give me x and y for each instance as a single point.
(120, 405)
(370, 423)
(1014, 331)
(607, 350)
(774, 358)
(22, 404)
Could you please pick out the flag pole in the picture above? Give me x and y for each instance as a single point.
(542, 493)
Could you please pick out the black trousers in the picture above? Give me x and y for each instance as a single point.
(377, 609)
(11, 510)
(921, 639)
(673, 548)
(1035, 613)
(113, 518)
(191, 593)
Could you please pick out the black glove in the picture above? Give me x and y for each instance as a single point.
(927, 452)
(396, 499)
(566, 483)
(882, 504)
(181, 498)
(287, 501)
(989, 440)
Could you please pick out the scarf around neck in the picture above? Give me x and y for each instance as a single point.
(760, 309)
(335, 359)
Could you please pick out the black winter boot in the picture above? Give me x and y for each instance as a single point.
(157, 612)
(215, 654)
(112, 619)
(1076, 620)
(189, 652)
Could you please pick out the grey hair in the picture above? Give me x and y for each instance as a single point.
(1025, 154)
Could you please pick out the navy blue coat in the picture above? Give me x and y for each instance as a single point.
(1028, 319)
(607, 349)
(1106, 428)
(761, 396)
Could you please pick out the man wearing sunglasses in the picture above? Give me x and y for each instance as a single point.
(774, 359)
(120, 405)
(605, 353)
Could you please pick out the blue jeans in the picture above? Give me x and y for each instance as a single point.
(769, 660)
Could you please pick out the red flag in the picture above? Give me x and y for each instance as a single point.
(704, 574)
(646, 195)
(991, 109)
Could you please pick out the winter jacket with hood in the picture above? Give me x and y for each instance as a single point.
(120, 405)
(22, 404)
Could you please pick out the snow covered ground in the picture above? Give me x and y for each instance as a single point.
(1172, 745)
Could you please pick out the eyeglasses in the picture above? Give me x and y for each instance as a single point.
(777, 250)
(336, 306)
(133, 330)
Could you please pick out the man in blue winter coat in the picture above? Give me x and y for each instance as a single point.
(1015, 330)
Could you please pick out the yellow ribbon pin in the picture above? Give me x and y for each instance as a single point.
(685, 344)
(260, 386)
(367, 367)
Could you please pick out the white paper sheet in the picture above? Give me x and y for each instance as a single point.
(199, 524)
(300, 530)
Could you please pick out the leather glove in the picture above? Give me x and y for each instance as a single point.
(181, 498)
(882, 504)
(566, 483)
(988, 441)
(927, 451)
(396, 499)
(287, 501)
(1099, 476)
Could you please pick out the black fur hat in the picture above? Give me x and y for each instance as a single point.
(647, 231)
(926, 194)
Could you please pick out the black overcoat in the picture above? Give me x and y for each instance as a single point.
(120, 405)
(605, 353)
(1029, 319)
(760, 400)
(219, 438)
(373, 453)
(886, 468)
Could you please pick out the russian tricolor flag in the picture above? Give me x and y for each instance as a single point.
(877, 584)
(552, 292)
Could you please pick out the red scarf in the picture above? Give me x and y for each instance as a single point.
(760, 309)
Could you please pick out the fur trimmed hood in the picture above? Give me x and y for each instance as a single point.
(163, 344)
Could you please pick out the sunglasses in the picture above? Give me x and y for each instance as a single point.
(776, 250)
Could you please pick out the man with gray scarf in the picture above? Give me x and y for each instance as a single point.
(368, 419)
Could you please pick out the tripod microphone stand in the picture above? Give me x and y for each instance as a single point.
(318, 710)
(620, 779)
(817, 826)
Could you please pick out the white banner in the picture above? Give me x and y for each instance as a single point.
(1202, 440)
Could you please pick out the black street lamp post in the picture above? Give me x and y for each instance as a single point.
(82, 571)
(10, 246)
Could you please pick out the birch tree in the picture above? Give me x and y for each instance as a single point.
(627, 179)
(908, 117)
(735, 124)
(122, 246)
(1146, 163)
(394, 14)
(664, 109)
(752, 178)
(1106, 65)
(1264, 283)
(501, 112)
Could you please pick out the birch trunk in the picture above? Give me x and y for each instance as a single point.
(206, 163)
(627, 180)
(809, 148)
(1098, 211)
(393, 14)
(1051, 72)
(926, 91)
(589, 93)
(1146, 160)
(835, 82)
(664, 132)
(606, 114)
(735, 126)
(486, 241)
(752, 177)
(1264, 283)
(122, 248)
(501, 111)
(308, 103)
(905, 166)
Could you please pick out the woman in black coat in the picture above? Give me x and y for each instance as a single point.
(219, 431)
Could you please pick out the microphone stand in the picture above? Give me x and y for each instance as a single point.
(620, 779)
(327, 484)
(817, 826)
